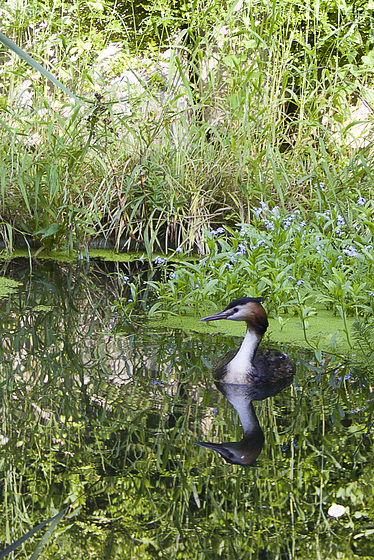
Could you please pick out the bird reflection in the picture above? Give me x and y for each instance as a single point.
(246, 451)
(248, 375)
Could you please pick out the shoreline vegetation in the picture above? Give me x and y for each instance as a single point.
(240, 132)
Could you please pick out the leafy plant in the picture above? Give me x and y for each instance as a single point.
(296, 264)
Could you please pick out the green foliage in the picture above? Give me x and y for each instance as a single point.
(229, 116)
(363, 333)
(297, 262)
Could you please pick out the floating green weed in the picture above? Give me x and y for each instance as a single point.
(7, 286)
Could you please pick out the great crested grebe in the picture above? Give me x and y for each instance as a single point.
(249, 366)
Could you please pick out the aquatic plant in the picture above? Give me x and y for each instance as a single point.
(299, 263)
(288, 257)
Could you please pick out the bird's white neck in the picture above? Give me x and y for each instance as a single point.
(241, 365)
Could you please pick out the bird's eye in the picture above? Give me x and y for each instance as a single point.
(235, 310)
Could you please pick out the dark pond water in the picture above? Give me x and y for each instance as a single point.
(101, 414)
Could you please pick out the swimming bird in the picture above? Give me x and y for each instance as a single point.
(264, 369)
(246, 451)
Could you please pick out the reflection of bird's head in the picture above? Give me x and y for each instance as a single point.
(242, 453)
(246, 309)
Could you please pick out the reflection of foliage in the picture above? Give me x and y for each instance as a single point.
(108, 423)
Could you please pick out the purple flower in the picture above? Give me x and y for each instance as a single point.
(288, 221)
(218, 231)
(269, 225)
(340, 221)
(350, 251)
(258, 244)
(241, 249)
(301, 226)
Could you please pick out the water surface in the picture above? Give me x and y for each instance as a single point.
(101, 412)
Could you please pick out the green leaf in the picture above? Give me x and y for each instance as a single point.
(27, 58)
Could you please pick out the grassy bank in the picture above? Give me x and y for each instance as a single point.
(250, 104)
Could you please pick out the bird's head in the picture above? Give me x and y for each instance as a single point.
(246, 309)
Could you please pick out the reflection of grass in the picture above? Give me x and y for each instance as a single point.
(108, 423)
(7, 286)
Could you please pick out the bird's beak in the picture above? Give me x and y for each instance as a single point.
(221, 315)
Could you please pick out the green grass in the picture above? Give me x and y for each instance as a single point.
(250, 105)
(177, 156)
